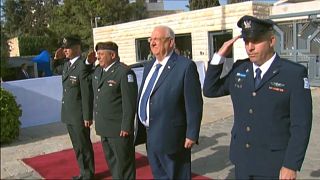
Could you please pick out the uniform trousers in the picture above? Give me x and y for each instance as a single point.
(82, 146)
(119, 153)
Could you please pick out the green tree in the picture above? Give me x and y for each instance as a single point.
(25, 17)
(59, 18)
(201, 4)
(78, 16)
(74, 17)
(4, 55)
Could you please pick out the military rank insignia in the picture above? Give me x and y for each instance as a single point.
(276, 86)
(239, 79)
(73, 80)
(306, 83)
(130, 78)
(111, 82)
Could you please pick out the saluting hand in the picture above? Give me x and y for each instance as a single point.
(91, 57)
(188, 143)
(124, 134)
(226, 48)
(287, 174)
(87, 123)
(59, 54)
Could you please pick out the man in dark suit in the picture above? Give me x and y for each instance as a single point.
(115, 91)
(23, 74)
(170, 108)
(77, 105)
(272, 105)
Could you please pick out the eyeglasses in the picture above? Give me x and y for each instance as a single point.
(157, 39)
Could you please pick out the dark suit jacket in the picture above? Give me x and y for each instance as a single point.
(21, 75)
(77, 94)
(175, 106)
(271, 123)
(115, 100)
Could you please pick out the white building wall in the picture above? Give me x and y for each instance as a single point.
(198, 23)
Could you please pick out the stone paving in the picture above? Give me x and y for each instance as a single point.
(209, 158)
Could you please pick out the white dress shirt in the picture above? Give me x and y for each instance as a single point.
(73, 60)
(163, 64)
(264, 67)
(217, 59)
(108, 67)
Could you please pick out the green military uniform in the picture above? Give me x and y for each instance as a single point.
(115, 96)
(77, 107)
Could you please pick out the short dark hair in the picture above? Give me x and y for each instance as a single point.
(23, 65)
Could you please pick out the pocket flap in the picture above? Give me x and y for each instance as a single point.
(278, 146)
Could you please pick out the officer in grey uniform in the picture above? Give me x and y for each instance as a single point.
(115, 98)
(272, 104)
(77, 104)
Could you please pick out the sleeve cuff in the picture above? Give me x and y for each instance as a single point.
(87, 62)
(217, 59)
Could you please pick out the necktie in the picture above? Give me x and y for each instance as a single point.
(257, 79)
(101, 73)
(68, 65)
(147, 92)
(26, 74)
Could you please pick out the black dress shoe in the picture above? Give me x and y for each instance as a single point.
(77, 177)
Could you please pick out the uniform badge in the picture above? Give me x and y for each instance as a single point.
(111, 82)
(130, 78)
(73, 80)
(277, 86)
(306, 83)
(241, 75)
(247, 24)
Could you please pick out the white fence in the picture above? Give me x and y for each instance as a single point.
(40, 98)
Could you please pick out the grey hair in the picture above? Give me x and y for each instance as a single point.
(169, 31)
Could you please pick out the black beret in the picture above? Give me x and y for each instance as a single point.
(107, 46)
(253, 27)
(70, 41)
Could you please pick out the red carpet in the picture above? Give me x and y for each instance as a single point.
(63, 165)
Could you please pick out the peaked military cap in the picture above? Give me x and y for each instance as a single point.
(253, 27)
(109, 45)
(70, 41)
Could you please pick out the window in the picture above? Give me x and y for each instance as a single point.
(183, 43)
(143, 49)
(216, 40)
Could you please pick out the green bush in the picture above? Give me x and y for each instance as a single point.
(10, 113)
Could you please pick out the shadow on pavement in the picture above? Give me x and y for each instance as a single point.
(40, 132)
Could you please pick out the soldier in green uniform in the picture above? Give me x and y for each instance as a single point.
(115, 97)
(77, 103)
